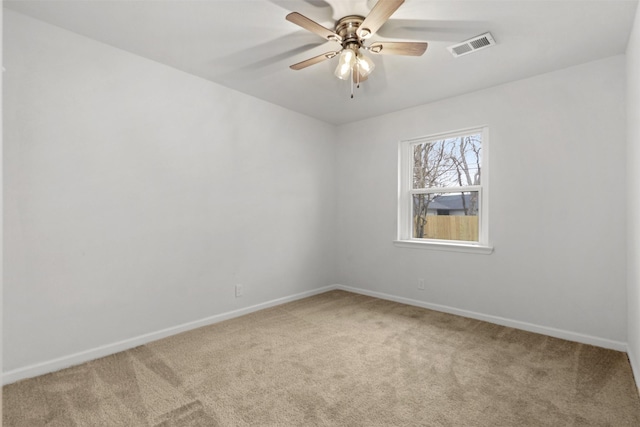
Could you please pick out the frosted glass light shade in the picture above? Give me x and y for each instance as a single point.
(365, 65)
(346, 62)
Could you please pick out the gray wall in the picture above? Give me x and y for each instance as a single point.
(633, 195)
(557, 205)
(138, 195)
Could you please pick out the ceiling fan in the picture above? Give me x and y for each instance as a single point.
(351, 32)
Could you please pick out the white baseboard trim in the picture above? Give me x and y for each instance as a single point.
(516, 324)
(106, 350)
(635, 367)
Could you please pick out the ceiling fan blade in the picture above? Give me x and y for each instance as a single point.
(377, 17)
(314, 60)
(432, 30)
(313, 26)
(399, 48)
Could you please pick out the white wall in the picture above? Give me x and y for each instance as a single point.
(557, 205)
(138, 195)
(1, 202)
(633, 195)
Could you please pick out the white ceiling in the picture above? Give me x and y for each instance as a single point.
(248, 45)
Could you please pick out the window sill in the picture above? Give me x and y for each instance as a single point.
(442, 246)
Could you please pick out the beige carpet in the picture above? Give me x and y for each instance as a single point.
(338, 359)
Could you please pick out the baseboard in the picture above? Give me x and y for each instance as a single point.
(516, 324)
(106, 350)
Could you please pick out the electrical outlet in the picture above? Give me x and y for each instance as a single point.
(239, 291)
(421, 284)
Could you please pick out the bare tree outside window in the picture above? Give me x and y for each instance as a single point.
(450, 165)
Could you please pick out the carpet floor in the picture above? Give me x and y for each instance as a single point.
(338, 359)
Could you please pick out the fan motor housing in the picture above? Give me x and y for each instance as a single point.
(346, 28)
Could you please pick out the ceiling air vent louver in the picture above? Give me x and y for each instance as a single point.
(472, 45)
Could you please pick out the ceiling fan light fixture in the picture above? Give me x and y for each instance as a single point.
(345, 64)
(351, 31)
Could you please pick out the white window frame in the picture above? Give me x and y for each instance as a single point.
(405, 196)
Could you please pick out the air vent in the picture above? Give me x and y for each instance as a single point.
(472, 45)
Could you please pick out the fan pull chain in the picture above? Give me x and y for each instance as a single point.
(351, 79)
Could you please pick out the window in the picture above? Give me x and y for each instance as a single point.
(443, 191)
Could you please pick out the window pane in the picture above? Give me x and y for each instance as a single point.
(446, 216)
(451, 162)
